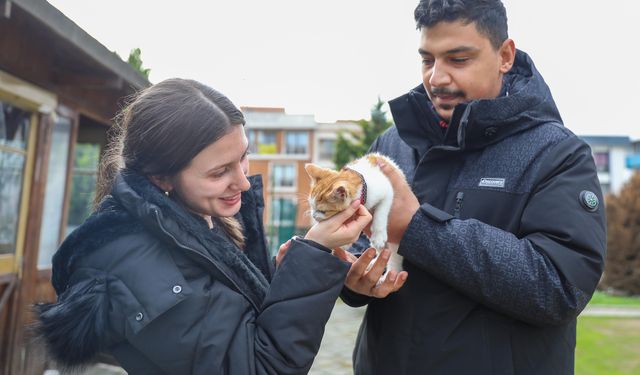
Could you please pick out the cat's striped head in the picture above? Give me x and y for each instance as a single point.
(331, 191)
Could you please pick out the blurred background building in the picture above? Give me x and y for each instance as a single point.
(616, 158)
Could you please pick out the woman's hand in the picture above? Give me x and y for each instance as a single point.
(341, 229)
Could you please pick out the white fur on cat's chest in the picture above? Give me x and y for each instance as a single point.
(378, 185)
(379, 197)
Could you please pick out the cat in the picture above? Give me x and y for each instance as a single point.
(333, 191)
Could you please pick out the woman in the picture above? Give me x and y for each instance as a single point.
(171, 273)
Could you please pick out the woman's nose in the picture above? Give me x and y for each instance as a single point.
(241, 180)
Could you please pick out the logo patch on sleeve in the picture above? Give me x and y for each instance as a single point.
(589, 200)
(492, 182)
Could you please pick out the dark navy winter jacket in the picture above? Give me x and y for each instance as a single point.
(507, 247)
(149, 283)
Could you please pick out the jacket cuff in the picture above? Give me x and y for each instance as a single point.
(313, 244)
(434, 213)
(354, 299)
(412, 245)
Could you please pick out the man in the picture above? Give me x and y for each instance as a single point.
(500, 225)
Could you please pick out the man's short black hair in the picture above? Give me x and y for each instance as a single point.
(489, 16)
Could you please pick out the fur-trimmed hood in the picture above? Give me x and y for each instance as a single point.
(75, 327)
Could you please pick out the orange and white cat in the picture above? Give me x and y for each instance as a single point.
(333, 191)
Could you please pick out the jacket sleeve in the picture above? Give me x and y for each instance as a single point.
(217, 331)
(544, 275)
(298, 304)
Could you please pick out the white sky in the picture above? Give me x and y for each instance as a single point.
(333, 58)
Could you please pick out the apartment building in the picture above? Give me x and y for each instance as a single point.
(612, 155)
(281, 144)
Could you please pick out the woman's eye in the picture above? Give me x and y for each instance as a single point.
(220, 174)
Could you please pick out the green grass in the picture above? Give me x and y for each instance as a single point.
(608, 346)
(600, 298)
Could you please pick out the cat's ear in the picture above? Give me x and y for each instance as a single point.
(316, 173)
(339, 193)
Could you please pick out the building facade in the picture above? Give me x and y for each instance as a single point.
(610, 154)
(280, 145)
(59, 90)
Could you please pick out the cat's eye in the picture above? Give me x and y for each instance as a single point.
(321, 212)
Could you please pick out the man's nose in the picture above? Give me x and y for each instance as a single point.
(440, 76)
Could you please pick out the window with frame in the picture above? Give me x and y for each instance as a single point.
(14, 139)
(296, 142)
(602, 161)
(262, 142)
(54, 191)
(326, 149)
(284, 176)
(282, 223)
(83, 183)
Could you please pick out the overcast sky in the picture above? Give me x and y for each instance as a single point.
(333, 58)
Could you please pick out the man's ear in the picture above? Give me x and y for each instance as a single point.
(163, 182)
(507, 55)
(316, 173)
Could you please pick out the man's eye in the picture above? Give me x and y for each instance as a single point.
(427, 62)
(460, 60)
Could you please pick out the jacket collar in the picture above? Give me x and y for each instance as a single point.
(136, 204)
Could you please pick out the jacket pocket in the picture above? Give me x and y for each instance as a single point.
(140, 303)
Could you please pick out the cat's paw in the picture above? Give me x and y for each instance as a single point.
(378, 240)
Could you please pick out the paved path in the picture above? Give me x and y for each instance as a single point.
(334, 357)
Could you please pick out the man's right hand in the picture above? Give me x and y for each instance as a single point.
(366, 280)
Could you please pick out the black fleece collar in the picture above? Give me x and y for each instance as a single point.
(136, 204)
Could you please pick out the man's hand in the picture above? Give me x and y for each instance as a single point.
(282, 251)
(404, 206)
(366, 280)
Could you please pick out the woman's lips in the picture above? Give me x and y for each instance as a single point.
(231, 200)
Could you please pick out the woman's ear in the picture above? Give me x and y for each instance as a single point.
(163, 182)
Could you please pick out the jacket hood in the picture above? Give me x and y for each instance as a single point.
(527, 103)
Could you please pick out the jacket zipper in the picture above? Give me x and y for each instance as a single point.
(456, 210)
(209, 260)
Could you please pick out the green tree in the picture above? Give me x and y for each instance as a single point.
(135, 60)
(353, 145)
(622, 265)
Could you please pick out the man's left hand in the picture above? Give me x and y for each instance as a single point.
(404, 206)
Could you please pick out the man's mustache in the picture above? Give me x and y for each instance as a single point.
(437, 91)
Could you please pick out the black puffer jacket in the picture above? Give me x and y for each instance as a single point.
(507, 247)
(148, 282)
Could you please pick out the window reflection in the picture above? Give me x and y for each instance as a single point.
(14, 135)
